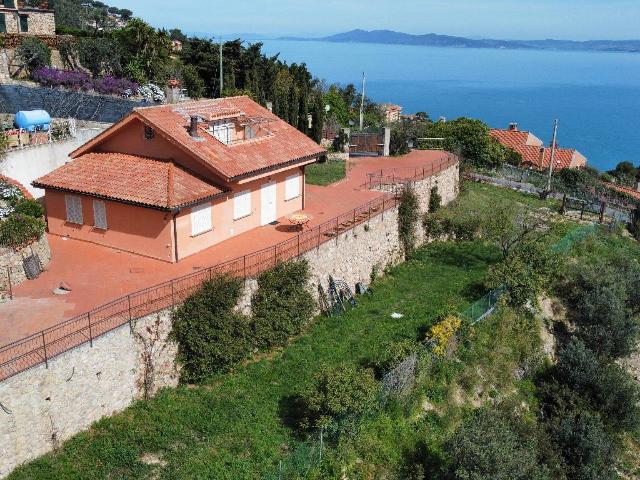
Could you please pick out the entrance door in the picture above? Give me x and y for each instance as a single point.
(268, 210)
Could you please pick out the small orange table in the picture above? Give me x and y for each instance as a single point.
(299, 220)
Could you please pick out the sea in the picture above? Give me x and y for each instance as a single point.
(594, 95)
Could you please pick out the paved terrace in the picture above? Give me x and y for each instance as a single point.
(98, 275)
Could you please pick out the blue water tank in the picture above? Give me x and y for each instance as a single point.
(31, 120)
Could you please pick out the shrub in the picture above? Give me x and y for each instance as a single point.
(337, 393)
(392, 355)
(587, 448)
(52, 77)
(526, 273)
(20, 230)
(462, 226)
(606, 386)
(32, 54)
(603, 298)
(211, 335)
(100, 55)
(488, 447)
(281, 305)
(435, 200)
(407, 219)
(443, 334)
(432, 225)
(30, 208)
(114, 86)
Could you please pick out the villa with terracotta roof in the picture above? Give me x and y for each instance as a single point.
(169, 181)
(534, 153)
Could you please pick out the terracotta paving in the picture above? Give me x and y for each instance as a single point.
(98, 274)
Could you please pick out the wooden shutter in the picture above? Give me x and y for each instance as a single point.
(99, 214)
(74, 209)
(242, 204)
(24, 23)
(3, 23)
(292, 187)
(201, 219)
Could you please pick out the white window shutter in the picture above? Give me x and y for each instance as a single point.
(242, 204)
(99, 214)
(201, 219)
(292, 187)
(73, 205)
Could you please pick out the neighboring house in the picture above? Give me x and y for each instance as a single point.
(632, 192)
(172, 180)
(391, 113)
(16, 17)
(534, 153)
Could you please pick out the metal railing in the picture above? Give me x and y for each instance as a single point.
(41, 347)
(393, 176)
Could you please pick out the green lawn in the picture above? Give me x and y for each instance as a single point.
(233, 428)
(325, 173)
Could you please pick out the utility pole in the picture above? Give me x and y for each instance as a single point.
(221, 73)
(362, 103)
(553, 153)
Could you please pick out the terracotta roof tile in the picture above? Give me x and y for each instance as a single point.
(130, 178)
(536, 156)
(629, 191)
(282, 145)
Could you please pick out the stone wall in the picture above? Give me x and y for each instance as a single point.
(44, 406)
(11, 268)
(62, 103)
(38, 22)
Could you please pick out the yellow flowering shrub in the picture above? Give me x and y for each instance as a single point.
(442, 333)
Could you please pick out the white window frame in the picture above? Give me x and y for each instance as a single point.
(291, 190)
(73, 206)
(201, 219)
(100, 215)
(242, 204)
(223, 131)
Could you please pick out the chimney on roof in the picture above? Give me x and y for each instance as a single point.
(193, 127)
(637, 184)
(513, 127)
(270, 106)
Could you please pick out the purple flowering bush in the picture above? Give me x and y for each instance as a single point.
(77, 80)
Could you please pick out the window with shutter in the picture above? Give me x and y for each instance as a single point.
(24, 23)
(3, 23)
(99, 214)
(242, 204)
(201, 219)
(292, 187)
(74, 209)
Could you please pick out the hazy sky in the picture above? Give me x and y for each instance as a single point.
(509, 19)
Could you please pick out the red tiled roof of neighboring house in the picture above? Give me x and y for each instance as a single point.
(629, 191)
(129, 178)
(511, 138)
(280, 145)
(536, 155)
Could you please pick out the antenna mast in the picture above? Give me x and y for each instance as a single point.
(221, 73)
(553, 153)
(362, 103)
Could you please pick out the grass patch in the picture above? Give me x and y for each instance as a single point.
(235, 427)
(326, 173)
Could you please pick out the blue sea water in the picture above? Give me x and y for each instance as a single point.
(595, 95)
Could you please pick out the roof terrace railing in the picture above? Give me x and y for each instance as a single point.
(39, 348)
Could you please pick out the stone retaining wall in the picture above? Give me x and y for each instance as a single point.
(44, 406)
(61, 103)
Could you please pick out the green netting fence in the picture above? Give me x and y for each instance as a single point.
(482, 308)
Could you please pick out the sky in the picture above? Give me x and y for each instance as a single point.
(505, 19)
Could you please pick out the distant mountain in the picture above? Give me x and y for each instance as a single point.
(390, 37)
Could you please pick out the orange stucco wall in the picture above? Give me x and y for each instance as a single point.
(224, 226)
(134, 229)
